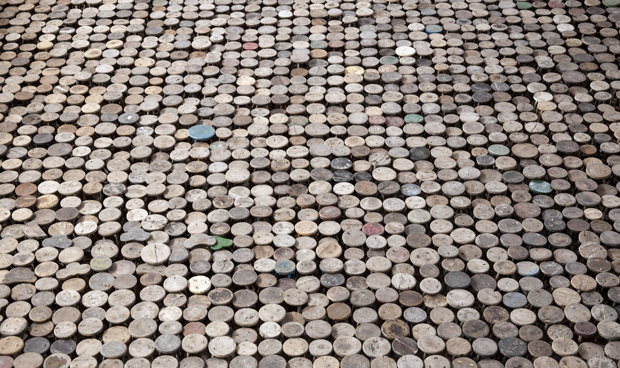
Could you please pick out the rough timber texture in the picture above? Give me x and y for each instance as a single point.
(309, 184)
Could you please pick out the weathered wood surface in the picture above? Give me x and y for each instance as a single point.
(295, 183)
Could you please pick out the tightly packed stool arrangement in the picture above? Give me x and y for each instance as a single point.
(309, 184)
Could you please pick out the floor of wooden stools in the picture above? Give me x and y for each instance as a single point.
(309, 184)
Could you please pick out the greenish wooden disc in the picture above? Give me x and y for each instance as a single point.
(319, 44)
(221, 243)
(522, 5)
(100, 264)
(499, 150)
(298, 120)
(390, 60)
(413, 118)
(540, 187)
